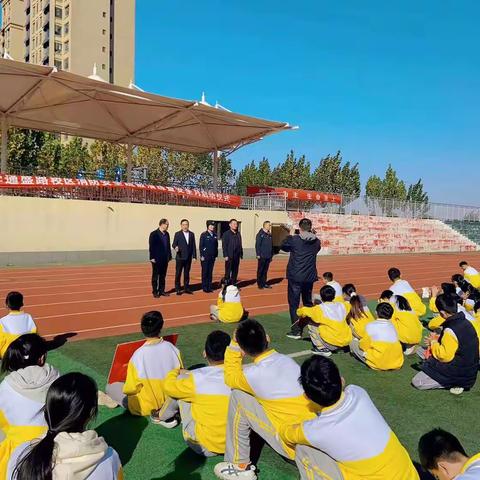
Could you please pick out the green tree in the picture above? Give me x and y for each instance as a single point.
(292, 173)
(247, 176)
(23, 149)
(75, 157)
(264, 172)
(107, 156)
(393, 187)
(416, 193)
(374, 187)
(50, 156)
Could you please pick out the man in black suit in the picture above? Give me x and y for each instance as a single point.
(184, 245)
(232, 251)
(264, 252)
(208, 254)
(160, 255)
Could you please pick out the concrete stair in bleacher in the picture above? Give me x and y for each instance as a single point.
(361, 234)
(468, 228)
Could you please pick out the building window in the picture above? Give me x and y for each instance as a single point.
(66, 64)
(58, 12)
(104, 49)
(67, 47)
(58, 64)
(67, 11)
(58, 47)
(66, 28)
(58, 29)
(104, 32)
(104, 14)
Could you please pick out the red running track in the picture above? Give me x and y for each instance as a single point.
(104, 300)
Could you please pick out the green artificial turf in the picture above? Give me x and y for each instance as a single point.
(152, 453)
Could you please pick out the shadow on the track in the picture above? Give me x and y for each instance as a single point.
(59, 340)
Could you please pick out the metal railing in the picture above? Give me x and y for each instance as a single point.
(269, 201)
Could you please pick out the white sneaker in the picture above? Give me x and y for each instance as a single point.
(227, 471)
(410, 351)
(172, 423)
(106, 401)
(456, 390)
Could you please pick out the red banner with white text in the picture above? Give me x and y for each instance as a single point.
(22, 181)
(295, 194)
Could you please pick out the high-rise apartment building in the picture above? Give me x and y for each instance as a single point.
(73, 35)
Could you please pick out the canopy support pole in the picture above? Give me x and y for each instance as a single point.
(215, 170)
(129, 162)
(4, 151)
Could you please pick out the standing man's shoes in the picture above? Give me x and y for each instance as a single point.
(164, 294)
(188, 292)
(267, 286)
(178, 292)
(156, 295)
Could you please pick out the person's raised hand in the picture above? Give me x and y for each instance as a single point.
(435, 291)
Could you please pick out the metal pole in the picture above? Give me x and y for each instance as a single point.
(4, 152)
(129, 162)
(215, 171)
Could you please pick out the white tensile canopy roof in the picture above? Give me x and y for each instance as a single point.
(42, 98)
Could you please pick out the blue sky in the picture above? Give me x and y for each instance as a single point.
(382, 81)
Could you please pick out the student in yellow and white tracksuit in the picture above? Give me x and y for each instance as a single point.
(471, 274)
(327, 278)
(16, 323)
(348, 428)
(143, 391)
(380, 348)
(359, 315)
(203, 398)
(405, 320)
(229, 308)
(327, 326)
(68, 450)
(22, 394)
(403, 288)
(265, 396)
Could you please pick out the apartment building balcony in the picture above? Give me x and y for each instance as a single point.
(27, 21)
(46, 39)
(26, 40)
(46, 57)
(46, 6)
(27, 6)
(46, 23)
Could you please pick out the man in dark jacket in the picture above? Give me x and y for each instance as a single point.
(232, 251)
(184, 245)
(160, 255)
(453, 363)
(208, 254)
(264, 252)
(301, 270)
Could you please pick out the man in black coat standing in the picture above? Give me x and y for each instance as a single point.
(301, 270)
(232, 251)
(208, 253)
(160, 255)
(184, 245)
(264, 252)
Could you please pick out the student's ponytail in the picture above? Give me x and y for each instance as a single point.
(25, 351)
(357, 311)
(403, 303)
(71, 404)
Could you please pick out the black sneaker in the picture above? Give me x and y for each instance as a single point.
(324, 352)
(267, 286)
(295, 334)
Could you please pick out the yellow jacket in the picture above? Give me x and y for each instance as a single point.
(358, 325)
(208, 395)
(354, 434)
(381, 345)
(472, 276)
(403, 288)
(13, 325)
(146, 374)
(229, 312)
(331, 320)
(408, 326)
(273, 380)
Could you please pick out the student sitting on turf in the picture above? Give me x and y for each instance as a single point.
(359, 315)
(470, 295)
(328, 280)
(380, 348)
(348, 429)
(229, 308)
(453, 363)
(203, 398)
(68, 450)
(265, 395)
(442, 454)
(22, 394)
(402, 287)
(459, 282)
(405, 321)
(143, 392)
(16, 323)
(471, 275)
(327, 323)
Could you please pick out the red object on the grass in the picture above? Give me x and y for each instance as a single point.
(123, 354)
(22, 181)
(294, 194)
(428, 353)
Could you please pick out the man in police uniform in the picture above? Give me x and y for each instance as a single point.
(208, 254)
(264, 252)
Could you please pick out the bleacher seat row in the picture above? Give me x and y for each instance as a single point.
(361, 234)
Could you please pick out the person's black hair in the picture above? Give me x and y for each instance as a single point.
(384, 310)
(458, 278)
(394, 274)
(438, 445)
(463, 263)
(321, 381)
(448, 288)
(327, 293)
(14, 301)
(328, 276)
(216, 344)
(476, 307)
(162, 221)
(25, 351)
(305, 224)
(266, 221)
(70, 406)
(233, 220)
(184, 220)
(473, 293)
(224, 283)
(386, 295)
(446, 303)
(251, 337)
(348, 289)
(152, 324)
(210, 222)
(402, 303)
